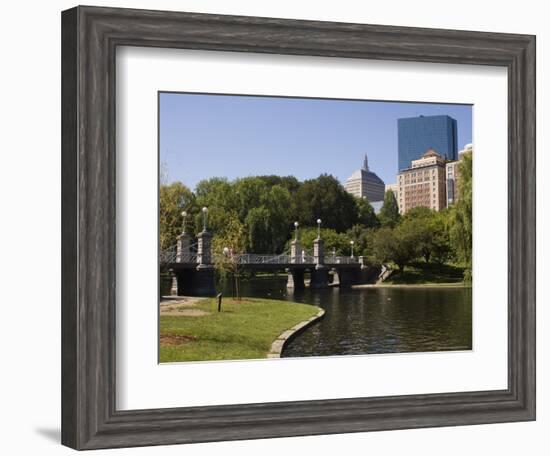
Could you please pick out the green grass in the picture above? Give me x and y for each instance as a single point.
(422, 273)
(243, 330)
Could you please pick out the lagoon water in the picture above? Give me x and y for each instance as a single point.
(376, 320)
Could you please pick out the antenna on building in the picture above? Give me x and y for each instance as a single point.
(366, 163)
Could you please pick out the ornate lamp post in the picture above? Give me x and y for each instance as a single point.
(351, 243)
(184, 215)
(318, 228)
(204, 212)
(296, 224)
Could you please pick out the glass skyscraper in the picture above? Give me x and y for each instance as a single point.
(418, 134)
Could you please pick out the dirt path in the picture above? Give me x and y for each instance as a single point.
(182, 306)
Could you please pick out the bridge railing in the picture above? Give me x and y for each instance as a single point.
(255, 258)
(188, 258)
(307, 259)
(330, 259)
(169, 254)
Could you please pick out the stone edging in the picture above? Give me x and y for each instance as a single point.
(281, 341)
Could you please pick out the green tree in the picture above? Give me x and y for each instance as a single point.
(441, 242)
(419, 222)
(365, 213)
(233, 236)
(333, 241)
(257, 223)
(218, 195)
(362, 238)
(395, 245)
(226, 248)
(278, 202)
(429, 230)
(173, 200)
(389, 213)
(265, 210)
(249, 193)
(461, 216)
(326, 199)
(289, 183)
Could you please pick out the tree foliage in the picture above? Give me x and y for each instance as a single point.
(325, 198)
(362, 237)
(421, 233)
(173, 199)
(461, 216)
(389, 213)
(333, 241)
(226, 246)
(396, 245)
(365, 213)
(256, 215)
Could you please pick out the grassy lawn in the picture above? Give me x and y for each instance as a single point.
(421, 273)
(243, 330)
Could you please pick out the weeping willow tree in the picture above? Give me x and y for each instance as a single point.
(461, 216)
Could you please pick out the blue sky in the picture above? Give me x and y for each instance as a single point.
(203, 136)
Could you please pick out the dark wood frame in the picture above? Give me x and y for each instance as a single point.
(90, 36)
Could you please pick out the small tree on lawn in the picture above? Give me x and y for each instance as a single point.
(227, 247)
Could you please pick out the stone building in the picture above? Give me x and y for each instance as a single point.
(365, 183)
(423, 184)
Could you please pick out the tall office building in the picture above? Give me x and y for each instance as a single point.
(364, 182)
(415, 135)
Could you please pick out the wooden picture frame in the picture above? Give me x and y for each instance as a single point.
(90, 36)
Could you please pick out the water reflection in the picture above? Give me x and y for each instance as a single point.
(377, 320)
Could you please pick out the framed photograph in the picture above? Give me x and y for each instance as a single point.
(280, 228)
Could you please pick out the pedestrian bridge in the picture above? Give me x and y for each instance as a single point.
(192, 265)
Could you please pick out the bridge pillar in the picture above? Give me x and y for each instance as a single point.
(319, 251)
(335, 277)
(348, 277)
(296, 250)
(295, 279)
(204, 241)
(182, 247)
(319, 277)
(183, 279)
(203, 279)
(174, 287)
